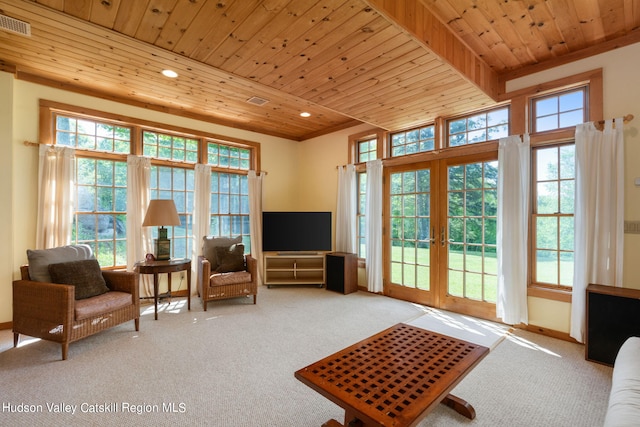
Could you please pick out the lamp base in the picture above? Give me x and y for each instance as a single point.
(162, 245)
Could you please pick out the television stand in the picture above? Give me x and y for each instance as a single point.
(294, 268)
(296, 253)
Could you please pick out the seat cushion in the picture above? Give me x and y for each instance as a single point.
(221, 279)
(39, 259)
(85, 275)
(101, 304)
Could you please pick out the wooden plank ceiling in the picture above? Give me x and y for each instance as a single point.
(392, 64)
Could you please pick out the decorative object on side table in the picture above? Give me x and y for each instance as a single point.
(161, 213)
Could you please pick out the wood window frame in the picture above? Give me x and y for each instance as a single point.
(556, 94)
(436, 146)
(445, 125)
(521, 123)
(49, 110)
(354, 140)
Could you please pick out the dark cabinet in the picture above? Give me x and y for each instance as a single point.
(342, 272)
(613, 315)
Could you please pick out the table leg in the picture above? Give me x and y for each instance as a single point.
(155, 293)
(350, 420)
(169, 285)
(332, 423)
(459, 405)
(189, 287)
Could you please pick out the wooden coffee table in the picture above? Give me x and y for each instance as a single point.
(396, 377)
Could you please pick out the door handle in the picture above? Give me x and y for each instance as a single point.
(432, 240)
(442, 240)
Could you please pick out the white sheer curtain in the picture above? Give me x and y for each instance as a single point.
(373, 236)
(513, 214)
(599, 214)
(139, 241)
(346, 209)
(56, 177)
(255, 218)
(201, 217)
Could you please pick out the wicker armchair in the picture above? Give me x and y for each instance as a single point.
(50, 311)
(219, 286)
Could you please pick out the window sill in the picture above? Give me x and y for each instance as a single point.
(561, 295)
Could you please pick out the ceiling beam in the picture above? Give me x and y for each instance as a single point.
(417, 20)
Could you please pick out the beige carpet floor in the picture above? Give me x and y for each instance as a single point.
(233, 366)
(467, 328)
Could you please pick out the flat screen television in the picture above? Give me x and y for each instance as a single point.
(296, 231)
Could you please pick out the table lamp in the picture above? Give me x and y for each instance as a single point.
(161, 212)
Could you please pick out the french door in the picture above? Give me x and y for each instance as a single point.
(440, 245)
(409, 247)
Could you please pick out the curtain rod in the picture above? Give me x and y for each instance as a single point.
(37, 144)
(600, 123)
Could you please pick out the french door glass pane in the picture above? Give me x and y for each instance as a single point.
(410, 224)
(472, 229)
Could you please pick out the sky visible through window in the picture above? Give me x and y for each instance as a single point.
(559, 111)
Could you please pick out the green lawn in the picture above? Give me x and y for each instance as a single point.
(468, 273)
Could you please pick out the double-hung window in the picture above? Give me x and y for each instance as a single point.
(553, 187)
(99, 218)
(363, 148)
(552, 221)
(173, 180)
(361, 220)
(229, 190)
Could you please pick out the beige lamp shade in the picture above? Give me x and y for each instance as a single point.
(161, 212)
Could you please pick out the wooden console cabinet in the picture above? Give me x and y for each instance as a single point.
(294, 269)
(613, 315)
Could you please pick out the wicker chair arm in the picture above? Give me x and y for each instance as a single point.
(45, 301)
(204, 272)
(252, 268)
(122, 281)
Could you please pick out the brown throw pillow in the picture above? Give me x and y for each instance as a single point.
(210, 245)
(85, 275)
(230, 258)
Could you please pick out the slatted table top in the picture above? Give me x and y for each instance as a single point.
(395, 377)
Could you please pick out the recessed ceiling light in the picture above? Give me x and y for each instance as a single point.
(169, 73)
(305, 114)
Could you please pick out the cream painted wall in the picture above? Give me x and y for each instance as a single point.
(279, 156)
(318, 178)
(548, 314)
(6, 196)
